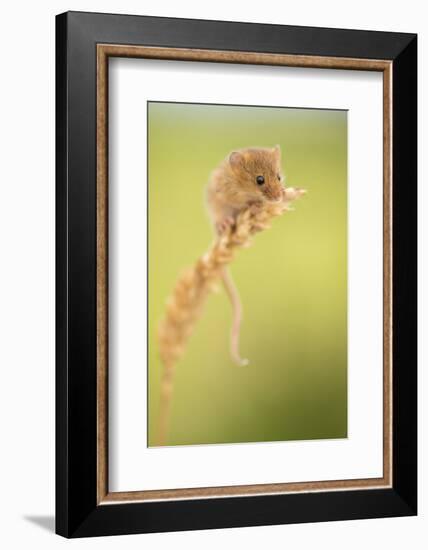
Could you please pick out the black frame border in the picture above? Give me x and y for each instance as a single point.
(77, 512)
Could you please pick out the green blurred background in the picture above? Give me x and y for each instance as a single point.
(292, 280)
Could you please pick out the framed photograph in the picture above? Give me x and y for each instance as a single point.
(236, 274)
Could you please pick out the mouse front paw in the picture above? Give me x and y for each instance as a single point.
(255, 206)
(224, 225)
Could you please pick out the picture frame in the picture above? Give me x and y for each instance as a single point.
(84, 44)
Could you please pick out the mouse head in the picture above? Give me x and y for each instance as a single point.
(258, 172)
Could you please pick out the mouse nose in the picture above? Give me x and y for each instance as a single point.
(273, 194)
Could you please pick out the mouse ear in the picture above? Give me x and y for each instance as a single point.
(277, 151)
(236, 159)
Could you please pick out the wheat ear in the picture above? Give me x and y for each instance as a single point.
(185, 305)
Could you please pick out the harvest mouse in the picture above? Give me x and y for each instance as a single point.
(246, 177)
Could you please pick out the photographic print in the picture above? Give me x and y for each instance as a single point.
(247, 274)
(235, 275)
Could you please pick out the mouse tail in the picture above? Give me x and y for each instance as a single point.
(235, 301)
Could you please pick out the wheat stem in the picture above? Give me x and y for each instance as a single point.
(185, 305)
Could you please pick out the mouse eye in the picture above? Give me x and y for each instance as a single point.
(260, 180)
(279, 177)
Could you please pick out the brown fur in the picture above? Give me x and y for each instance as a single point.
(233, 185)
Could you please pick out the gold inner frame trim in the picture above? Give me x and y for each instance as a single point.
(104, 51)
